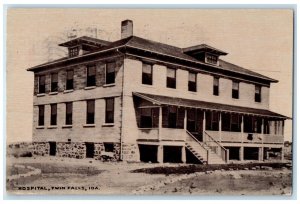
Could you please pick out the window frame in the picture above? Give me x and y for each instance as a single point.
(90, 79)
(54, 85)
(235, 92)
(74, 51)
(257, 96)
(42, 88)
(216, 88)
(147, 79)
(70, 82)
(41, 115)
(192, 85)
(171, 81)
(109, 114)
(69, 116)
(90, 116)
(53, 114)
(109, 79)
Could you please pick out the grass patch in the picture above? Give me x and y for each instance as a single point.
(203, 168)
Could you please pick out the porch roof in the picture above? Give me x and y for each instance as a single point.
(165, 100)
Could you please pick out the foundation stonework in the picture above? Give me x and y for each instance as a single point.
(130, 152)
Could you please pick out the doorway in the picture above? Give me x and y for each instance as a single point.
(52, 148)
(90, 147)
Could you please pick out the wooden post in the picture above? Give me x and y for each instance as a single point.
(160, 154)
(242, 129)
(160, 123)
(204, 125)
(241, 153)
(185, 120)
(183, 155)
(220, 133)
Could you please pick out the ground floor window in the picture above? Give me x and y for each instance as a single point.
(212, 120)
(148, 153)
(250, 153)
(149, 117)
(173, 117)
(172, 154)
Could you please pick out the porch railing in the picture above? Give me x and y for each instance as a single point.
(193, 140)
(216, 147)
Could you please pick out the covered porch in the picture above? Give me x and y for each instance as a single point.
(166, 119)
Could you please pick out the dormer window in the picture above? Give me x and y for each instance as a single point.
(74, 51)
(212, 59)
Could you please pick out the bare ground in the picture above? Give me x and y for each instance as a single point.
(73, 176)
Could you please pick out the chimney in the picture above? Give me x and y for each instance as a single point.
(126, 29)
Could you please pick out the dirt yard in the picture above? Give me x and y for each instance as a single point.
(72, 176)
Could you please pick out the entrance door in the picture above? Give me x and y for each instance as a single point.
(89, 149)
(52, 148)
(199, 125)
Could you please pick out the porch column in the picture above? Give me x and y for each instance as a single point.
(160, 154)
(242, 130)
(260, 154)
(159, 123)
(241, 153)
(262, 131)
(282, 153)
(204, 125)
(185, 119)
(183, 155)
(220, 132)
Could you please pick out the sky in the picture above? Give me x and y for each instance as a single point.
(259, 40)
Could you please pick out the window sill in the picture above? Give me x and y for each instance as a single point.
(40, 127)
(53, 93)
(89, 125)
(41, 94)
(68, 91)
(147, 85)
(52, 127)
(89, 87)
(108, 124)
(109, 85)
(67, 126)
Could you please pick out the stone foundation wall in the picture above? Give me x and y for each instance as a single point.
(71, 150)
(68, 149)
(40, 148)
(130, 152)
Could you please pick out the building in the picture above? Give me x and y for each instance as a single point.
(139, 100)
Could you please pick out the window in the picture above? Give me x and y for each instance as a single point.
(149, 117)
(90, 112)
(73, 51)
(216, 86)
(235, 89)
(109, 147)
(171, 78)
(109, 110)
(172, 117)
(257, 93)
(41, 115)
(91, 76)
(110, 73)
(191, 120)
(54, 82)
(69, 111)
(266, 126)
(248, 124)
(212, 120)
(192, 82)
(69, 83)
(53, 119)
(42, 87)
(147, 74)
(212, 59)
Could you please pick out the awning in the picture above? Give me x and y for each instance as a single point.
(174, 101)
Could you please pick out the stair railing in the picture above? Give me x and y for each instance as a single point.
(215, 145)
(200, 143)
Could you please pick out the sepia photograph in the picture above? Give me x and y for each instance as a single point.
(185, 102)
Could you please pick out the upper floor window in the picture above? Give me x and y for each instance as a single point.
(171, 78)
(73, 51)
(110, 73)
(257, 93)
(109, 110)
(90, 112)
(69, 82)
(147, 74)
(192, 82)
(69, 113)
(91, 76)
(53, 119)
(235, 89)
(211, 59)
(42, 86)
(41, 120)
(54, 82)
(216, 86)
